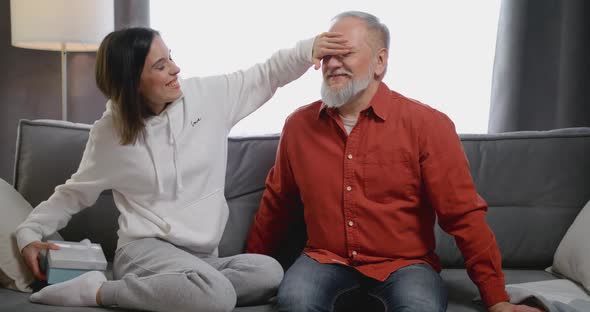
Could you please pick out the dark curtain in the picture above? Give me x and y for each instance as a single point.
(541, 76)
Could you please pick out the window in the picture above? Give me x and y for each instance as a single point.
(441, 52)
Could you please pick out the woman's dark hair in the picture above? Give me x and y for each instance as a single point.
(119, 63)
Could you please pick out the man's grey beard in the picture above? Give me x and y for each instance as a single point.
(337, 98)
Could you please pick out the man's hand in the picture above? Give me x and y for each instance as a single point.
(31, 256)
(509, 307)
(328, 43)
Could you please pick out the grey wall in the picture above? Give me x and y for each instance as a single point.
(30, 88)
(30, 84)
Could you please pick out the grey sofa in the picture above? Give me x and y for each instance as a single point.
(534, 182)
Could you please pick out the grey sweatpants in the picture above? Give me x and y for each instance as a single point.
(154, 275)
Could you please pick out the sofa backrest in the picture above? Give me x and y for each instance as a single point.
(48, 152)
(534, 182)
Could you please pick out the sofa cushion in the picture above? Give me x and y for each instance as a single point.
(559, 290)
(48, 152)
(248, 164)
(14, 273)
(463, 294)
(572, 258)
(535, 183)
(244, 184)
(12, 301)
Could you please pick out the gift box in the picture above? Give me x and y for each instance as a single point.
(73, 259)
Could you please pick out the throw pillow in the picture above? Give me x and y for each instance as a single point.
(14, 273)
(572, 258)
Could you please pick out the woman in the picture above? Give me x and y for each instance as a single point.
(161, 146)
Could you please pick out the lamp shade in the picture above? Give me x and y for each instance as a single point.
(78, 25)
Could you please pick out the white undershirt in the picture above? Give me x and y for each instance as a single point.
(348, 123)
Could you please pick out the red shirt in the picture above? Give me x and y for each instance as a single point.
(370, 198)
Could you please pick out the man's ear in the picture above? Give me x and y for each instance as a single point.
(381, 62)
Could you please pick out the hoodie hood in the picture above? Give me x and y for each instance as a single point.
(162, 133)
(163, 130)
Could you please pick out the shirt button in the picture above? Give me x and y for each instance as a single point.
(348, 188)
(354, 253)
(349, 156)
(350, 223)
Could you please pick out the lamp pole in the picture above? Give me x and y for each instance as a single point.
(64, 82)
(61, 25)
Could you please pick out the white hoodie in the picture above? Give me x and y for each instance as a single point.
(170, 185)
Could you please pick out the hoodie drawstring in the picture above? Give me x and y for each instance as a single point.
(146, 213)
(173, 142)
(155, 162)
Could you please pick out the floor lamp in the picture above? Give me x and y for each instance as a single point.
(61, 25)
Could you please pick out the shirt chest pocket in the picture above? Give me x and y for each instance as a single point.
(387, 175)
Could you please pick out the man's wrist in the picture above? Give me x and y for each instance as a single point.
(493, 293)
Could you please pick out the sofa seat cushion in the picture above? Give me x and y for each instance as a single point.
(462, 291)
(17, 301)
(551, 294)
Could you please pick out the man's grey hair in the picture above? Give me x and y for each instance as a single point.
(373, 24)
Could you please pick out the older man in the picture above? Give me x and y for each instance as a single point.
(373, 170)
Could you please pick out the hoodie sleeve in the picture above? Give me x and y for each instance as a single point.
(248, 89)
(78, 192)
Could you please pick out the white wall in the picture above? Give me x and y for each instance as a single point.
(441, 51)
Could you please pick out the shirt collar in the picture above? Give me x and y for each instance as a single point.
(379, 105)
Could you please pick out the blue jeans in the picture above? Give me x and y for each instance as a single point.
(311, 286)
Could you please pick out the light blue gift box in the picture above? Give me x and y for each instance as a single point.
(73, 259)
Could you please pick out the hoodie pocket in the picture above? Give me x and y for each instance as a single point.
(200, 224)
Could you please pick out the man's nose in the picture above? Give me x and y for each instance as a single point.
(333, 61)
